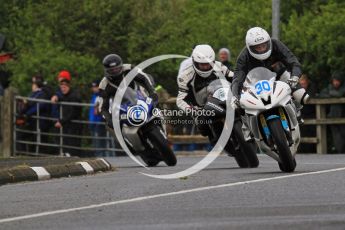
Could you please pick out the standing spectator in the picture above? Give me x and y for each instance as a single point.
(97, 130)
(1, 90)
(32, 108)
(308, 112)
(68, 113)
(336, 89)
(224, 57)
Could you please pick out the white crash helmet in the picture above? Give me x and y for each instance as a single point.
(203, 57)
(257, 36)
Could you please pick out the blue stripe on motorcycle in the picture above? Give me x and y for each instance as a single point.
(285, 125)
(272, 117)
(267, 132)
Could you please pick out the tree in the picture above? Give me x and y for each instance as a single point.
(317, 37)
(49, 35)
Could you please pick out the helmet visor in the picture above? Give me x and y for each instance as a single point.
(114, 71)
(261, 48)
(203, 67)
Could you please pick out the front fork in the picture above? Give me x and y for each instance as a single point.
(284, 122)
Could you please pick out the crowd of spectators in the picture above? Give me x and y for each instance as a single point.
(335, 89)
(59, 118)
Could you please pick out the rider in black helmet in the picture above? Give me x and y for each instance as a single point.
(113, 68)
(114, 73)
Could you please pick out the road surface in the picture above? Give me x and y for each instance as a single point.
(220, 197)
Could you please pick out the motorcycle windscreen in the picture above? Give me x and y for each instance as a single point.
(258, 74)
(217, 84)
(130, 97)
(218, 87)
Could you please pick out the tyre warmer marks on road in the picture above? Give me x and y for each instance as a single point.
(137, 199)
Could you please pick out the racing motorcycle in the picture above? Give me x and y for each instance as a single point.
(143, 132)
(242, 150)
(272, 116)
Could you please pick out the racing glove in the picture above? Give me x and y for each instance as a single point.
(154, 97)
(109, 123)
(293, 81)
(235, 103)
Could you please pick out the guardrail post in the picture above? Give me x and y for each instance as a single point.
(60, 132)
(7, 122)
(321, 130)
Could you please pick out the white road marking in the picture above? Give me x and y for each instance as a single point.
(61, 211)
(86, 166)
(41, 172)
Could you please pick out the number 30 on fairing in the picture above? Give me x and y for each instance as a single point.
(262, 86)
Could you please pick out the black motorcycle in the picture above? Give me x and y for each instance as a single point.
(243, 151)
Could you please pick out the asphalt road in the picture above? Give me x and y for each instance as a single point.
(220, 197)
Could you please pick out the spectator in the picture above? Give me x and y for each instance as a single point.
(336, 89)
(96, 130)
(68, 113)
(224, 57)
(1, 90)
(308, 112)
(32, 108)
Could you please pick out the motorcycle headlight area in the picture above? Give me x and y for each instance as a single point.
(221, 94)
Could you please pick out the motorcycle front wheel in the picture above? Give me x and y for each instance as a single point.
(161, 144)
(246, 157)
(288, 162)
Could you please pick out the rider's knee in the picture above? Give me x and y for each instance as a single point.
(301, 96)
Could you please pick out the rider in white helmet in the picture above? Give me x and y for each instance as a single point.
(192, 81)
(262, 51)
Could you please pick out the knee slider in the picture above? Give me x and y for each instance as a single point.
(301, 96)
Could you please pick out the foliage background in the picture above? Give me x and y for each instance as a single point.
(47, 36)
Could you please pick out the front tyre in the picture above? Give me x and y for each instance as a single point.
(288, 162)
(246, 157)
(150, 158)
(161, 144)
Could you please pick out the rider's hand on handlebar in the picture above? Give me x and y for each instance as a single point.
(293, 81)
(110, 124)
(235, 103)
(154, 97)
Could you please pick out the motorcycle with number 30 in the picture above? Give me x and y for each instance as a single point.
(271, 115)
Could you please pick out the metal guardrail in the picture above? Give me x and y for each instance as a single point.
(60, 135)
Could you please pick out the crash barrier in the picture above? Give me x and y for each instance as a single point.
(320, 121)
(25, 136)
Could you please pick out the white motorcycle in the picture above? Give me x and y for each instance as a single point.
(271, 116)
